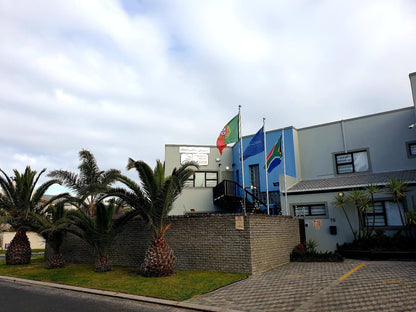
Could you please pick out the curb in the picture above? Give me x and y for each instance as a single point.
(172, 303)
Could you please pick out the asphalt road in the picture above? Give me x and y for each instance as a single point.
(27, 298)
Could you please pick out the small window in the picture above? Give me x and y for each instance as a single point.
(309, 210)
(411, 149)
(202, 179)
(351, 162)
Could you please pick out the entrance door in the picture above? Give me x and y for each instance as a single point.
(255, 180)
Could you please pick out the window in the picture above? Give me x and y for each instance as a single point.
(309, 210)
(411, 149)
(351, 162)
(385, 213)
(203, 179)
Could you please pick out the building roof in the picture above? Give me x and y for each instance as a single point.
(351, 181)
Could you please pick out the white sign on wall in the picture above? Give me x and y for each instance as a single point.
(200, 159)
(193, 150)
(194, 153)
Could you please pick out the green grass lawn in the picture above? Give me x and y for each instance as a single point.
(3, 252)
(181, 286)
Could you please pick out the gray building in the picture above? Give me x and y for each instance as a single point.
(339, 157)
(324, 161)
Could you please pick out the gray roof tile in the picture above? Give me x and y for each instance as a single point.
(351, 181)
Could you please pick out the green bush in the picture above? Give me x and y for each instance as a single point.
(308, 253)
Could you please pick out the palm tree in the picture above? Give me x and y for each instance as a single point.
(398, 189)
(19, 198)
(340, 202)
(52, 224)
(372, 189)
(153, 199)
(90, 184)
(100, 230)
(360, 200)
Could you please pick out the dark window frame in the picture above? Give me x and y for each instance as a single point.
(192, 179)
(309, 207)
(383, 214)
(409, 149)
(337, 165)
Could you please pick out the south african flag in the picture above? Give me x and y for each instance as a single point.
(275, 156)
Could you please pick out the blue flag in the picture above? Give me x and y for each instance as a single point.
(255, 146)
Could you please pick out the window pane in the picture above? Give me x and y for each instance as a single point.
(345, 169)
(199, 179)
(412, 149)
(318, 210)
(344, 158)
(301, 211)
(393, 215)
(189, 183)
(378, 220)
(360, 161)
(211, 175)
(211, 183)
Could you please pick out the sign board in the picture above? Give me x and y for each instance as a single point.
(193, 150)
(239, 223)
(200, 159)
(317, 224)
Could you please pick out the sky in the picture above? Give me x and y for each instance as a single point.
(123, 78)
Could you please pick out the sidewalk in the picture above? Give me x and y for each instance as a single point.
(375, 286)
(351, 285)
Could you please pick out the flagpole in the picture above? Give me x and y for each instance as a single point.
(265, 165)
(242, 159)
(284, 170)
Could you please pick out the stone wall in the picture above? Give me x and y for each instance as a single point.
(204, 242)
(272, 240)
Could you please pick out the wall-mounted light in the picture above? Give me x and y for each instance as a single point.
(227, 168)
(412, 125)
(341, 194)
(217, 159)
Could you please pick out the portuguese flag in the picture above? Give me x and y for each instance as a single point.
(229, 134)
(274, 157)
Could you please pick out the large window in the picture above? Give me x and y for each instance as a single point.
(309, 210)
(351, 162)
(203, 179)
(385, 213)
(411, 149)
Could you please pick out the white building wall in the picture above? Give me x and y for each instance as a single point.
(36, 240)
(199, 199)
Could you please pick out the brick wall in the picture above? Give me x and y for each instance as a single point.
(272, 240)
(204, 242)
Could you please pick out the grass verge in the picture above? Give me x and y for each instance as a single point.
(3, 252)
(181, 286)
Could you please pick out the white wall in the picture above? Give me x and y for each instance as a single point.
(198, 199)
(36, 240)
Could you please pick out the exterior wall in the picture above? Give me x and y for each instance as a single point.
(272, 240)
(384, 135)
(336, 217)
(198, 199)
(204, 242)
(36, 240)
(271, 138)
(412, 77)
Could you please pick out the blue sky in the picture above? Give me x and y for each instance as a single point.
(124, 78)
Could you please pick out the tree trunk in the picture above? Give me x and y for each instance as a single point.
(159, 259)
(103, 264)
(55, 261)
(19, 251)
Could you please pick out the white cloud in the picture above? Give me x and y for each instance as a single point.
(123, 81)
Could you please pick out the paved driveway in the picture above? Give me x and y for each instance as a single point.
(374, 286)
